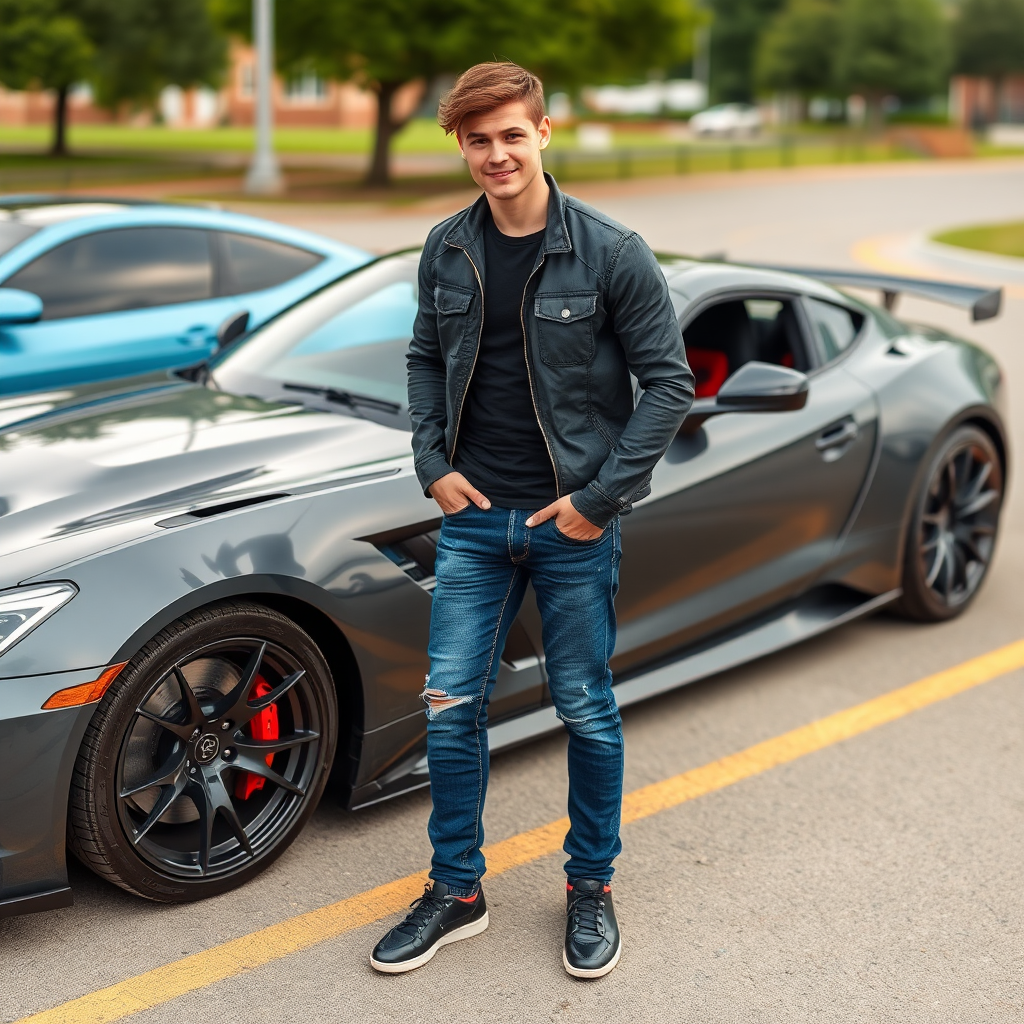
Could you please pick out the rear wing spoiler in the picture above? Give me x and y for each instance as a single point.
(983, 303)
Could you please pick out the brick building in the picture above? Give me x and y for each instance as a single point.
(973, 102)
(306, 101)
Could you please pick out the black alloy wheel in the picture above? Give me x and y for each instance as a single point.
(207, 755)
(953, 530)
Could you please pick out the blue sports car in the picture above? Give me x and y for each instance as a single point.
(93, 290)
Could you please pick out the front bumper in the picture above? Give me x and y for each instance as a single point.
(37, 755)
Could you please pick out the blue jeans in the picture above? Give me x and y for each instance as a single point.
(484, 561)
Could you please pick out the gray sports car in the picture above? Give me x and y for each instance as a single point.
(215, 587)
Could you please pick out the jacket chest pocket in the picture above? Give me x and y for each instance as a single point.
(565, 327)
(452, 304)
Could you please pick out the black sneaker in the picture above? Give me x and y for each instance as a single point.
(435, 920)
(592, 941)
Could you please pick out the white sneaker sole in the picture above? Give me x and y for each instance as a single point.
(467, 931)
(597, 972)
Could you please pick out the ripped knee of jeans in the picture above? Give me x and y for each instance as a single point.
(574, 724)
(587, 723)
(438, 701)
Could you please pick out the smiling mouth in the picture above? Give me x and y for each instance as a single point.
(501, 175)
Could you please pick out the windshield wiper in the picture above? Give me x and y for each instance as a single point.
(352, 399)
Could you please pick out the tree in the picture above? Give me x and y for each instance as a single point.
(736, 28)
(142, 46)
(385, 44)
(989, 42)
(892, 47)
(588, 42)
(43, 48)
(127, 50)
(797, 51)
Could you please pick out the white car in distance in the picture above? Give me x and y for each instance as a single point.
(726, 120)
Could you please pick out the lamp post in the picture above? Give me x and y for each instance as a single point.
(264, 177)
(702, 59)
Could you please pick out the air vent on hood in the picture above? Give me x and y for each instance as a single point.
(215, 510)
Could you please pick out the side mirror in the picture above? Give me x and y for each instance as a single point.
(764, 387)
(18, 307)
(232, 329)
(754, 387)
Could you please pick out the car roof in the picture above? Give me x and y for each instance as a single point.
(57, 218)
(25, 205)
(696, 278)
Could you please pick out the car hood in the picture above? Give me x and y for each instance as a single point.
(136, 456)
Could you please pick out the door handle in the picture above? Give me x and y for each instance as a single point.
(835, 439)
(200, 334)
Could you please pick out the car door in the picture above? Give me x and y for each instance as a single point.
(115, 303)
(747, 509)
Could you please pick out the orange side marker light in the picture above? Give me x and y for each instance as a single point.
(84, 693)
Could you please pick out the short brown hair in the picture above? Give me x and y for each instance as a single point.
(486, 86)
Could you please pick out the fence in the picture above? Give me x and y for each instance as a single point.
(692, 157)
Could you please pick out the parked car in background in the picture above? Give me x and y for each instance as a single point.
(727, 120)
(215, 586)
(94, 290)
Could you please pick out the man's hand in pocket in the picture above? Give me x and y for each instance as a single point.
(454, 492)
(568, 521)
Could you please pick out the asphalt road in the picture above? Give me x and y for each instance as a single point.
(878, 879)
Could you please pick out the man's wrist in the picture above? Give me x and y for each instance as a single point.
(429, 471)
(430, 489)
(597, 509)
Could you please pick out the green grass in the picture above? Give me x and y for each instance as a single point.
(419, 136)
(983, 148)
(1004, 239)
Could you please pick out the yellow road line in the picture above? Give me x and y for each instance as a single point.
(191, 973)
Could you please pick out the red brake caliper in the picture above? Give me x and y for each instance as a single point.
(263, 727)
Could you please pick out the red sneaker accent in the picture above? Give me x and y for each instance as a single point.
(607, 888)
(568, 887)
(468, 899)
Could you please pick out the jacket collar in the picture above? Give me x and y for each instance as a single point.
(467, 230)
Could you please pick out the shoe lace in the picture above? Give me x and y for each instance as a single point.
(423, 909)
(588, 917)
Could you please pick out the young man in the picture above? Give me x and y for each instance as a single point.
(534, 310)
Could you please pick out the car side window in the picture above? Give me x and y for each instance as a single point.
(837, 327)
(736, 331)
(251, 264)
(127, 268)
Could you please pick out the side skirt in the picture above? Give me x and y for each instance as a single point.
(818, 612)
(36, 902)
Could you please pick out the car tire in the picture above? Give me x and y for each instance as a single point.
(953, 526)
(230, 713)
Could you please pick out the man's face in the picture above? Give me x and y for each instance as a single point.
(502, 148)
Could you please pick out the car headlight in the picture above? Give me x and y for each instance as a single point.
(24, 608)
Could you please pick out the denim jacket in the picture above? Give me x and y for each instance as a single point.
(596, 308)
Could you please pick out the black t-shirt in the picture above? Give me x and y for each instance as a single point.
(500, 448)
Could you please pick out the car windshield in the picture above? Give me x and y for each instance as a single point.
(12, 232)
(343, 348)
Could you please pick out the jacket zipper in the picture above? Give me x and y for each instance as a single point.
(476, 355)
(529, 376)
